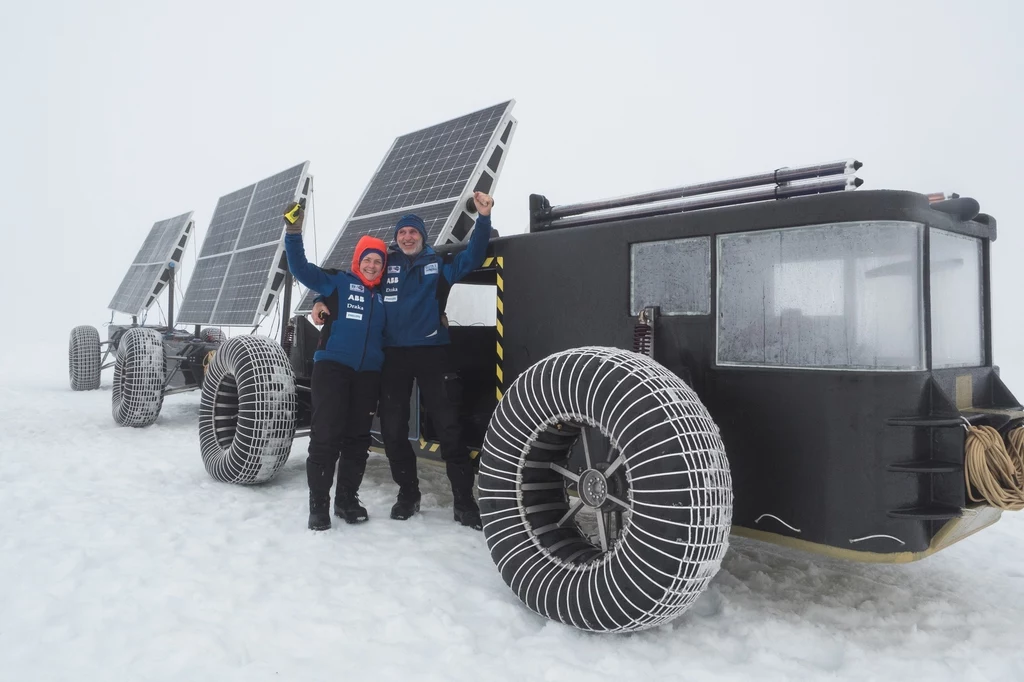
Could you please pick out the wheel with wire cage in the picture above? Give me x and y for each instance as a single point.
(248, 410)
(84, 358)
(213, 335)
(139, 374)
(605, 491)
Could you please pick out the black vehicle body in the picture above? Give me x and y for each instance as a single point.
(855, 461)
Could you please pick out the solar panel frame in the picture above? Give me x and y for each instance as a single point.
(255, 233)
(150, 270)
(500, 137)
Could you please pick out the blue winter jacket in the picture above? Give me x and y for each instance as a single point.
(410, 289)
(357, 331)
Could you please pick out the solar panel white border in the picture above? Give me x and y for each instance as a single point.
(273, 282)
(445, 235)
(162, 277)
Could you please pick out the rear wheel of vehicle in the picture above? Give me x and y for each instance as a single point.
(138, 377)
(643, 459)
(247, 413)
(84, 358)
(213, 335)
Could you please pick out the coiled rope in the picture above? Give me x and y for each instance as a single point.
(995, 469)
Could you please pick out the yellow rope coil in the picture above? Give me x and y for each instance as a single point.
(207, 360)
(995, 472)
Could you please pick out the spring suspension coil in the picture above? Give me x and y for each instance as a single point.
(642, 338)
(289, 338)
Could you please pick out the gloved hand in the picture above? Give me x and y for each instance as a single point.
(299, 215)
(320, 313)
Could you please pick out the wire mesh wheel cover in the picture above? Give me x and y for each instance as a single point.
(138, 378)
(247, 411)
(678, 491)
(84, 358)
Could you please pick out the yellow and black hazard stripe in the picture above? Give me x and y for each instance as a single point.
(430, 447)
(498, 263)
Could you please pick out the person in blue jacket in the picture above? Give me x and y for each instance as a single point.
(416, 346)
(346, 374)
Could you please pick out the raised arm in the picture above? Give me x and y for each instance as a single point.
(305, 272)
(473, 257)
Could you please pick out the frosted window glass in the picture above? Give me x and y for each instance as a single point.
(674, 275)
(845, 295)
(956, 300)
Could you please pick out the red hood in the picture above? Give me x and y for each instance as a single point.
(368, 243)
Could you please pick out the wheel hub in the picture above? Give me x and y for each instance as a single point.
(593, 488)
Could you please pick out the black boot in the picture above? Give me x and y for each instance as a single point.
(319, 512)
(467, 512)
(408, 504)
(346, 506)
(461, 476)
(319, 478)
(346, 498)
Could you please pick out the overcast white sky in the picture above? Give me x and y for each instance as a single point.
(118, 114)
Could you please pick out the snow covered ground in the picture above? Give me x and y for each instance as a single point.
(121, 559)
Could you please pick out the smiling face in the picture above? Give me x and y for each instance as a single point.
(410, 241)
(371, 265)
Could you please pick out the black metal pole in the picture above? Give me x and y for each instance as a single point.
(170, 296)
(286, 307)
(746, 196)
(782, 175)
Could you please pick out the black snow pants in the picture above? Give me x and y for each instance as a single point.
(344, 402)
(429, 366)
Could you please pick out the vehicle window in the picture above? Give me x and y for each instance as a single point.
(674, 275)
(843, 296)
(956, 296)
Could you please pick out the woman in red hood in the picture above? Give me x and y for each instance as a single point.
(346, 374)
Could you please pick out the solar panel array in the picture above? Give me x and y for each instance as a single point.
(430, 172)
(234, 282)
(150, 271)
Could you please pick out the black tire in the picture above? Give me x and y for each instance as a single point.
(213, 335)
(138, 377)
(84, 358)
(664, 478)
(247, 413)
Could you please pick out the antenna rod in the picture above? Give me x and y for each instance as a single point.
(777, 177)
(746, 196)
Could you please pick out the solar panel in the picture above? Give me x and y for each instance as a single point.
(239, 270)
(430, 172)
(382, 226)
(150, 271)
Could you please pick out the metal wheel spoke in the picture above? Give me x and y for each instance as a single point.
(619, 502)
(619, 461)
(602, 531)
(574, 508)
(565, 472)
(585, 435)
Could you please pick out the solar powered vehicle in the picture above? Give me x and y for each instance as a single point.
(773, 356)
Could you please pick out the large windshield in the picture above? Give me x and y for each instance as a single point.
(842, 296)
